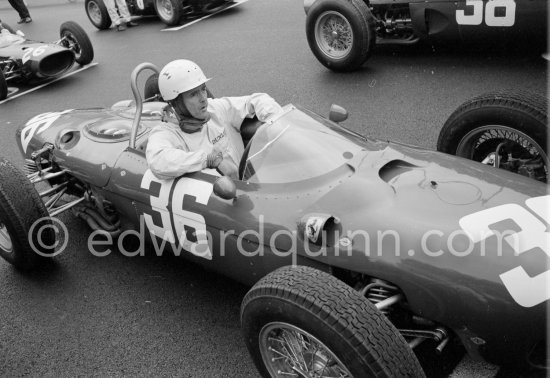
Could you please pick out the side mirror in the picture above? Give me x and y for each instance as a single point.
(225, 188)
(337, 113)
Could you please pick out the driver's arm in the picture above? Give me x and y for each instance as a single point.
(234, 110)
(169, 158)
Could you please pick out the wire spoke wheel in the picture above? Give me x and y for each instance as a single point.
(290, 351)
(504, 129)
(334, 35)
(94, 12)
(5, 239)
(521, 153)
(165, 9)
(71, 43)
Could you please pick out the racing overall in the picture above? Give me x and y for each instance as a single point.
(172, 152)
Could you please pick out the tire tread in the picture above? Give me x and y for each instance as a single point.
(344, 310)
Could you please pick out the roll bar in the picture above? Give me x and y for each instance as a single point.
(138, 99)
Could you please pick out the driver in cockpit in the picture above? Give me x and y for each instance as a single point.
(198, 132)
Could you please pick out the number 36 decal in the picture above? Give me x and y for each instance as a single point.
(186, 228)
(497, 13)
(533, 235)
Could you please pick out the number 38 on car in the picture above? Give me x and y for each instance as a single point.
(343, 33)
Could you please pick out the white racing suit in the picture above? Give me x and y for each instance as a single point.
(172, 152)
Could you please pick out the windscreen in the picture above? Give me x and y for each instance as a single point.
(296, 147)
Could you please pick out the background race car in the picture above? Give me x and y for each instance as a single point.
(23, 60)
(342, 33)
(169, 11)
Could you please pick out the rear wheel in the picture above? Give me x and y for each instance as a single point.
(3, 86)
(169, 11)
(26, 231)
(506, 130)
(98, 14)
(341, 34)
(76, 39)
(299, 321)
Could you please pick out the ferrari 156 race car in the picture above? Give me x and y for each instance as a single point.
(343, 33)
(169, 11)
(358, 249)
(24, 60)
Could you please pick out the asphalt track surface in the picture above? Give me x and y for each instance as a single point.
(150, 316)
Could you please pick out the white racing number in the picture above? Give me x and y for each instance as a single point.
(188, 228)
(527, 291)
(497, 13)
(38, 124)
(33, 51)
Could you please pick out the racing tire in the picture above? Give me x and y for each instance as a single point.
(98, 14)
(26, 231)
(477, 128)
(317, 316)
(169, 11)
(353, 24)
(78, 41)
(3, 86)
(10, 29)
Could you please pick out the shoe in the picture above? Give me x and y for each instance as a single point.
(25, 20)
(131, 23)
(120, 27)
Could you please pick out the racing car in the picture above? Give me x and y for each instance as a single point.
(357, 249)
(169, 11)
(25, 60)
(343, 33)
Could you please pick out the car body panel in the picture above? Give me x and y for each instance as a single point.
(382, 192)
(37, 59)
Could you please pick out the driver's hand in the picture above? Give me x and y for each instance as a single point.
(214, 159)
(228, 168)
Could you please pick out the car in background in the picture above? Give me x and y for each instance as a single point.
(26, 60)
(343, 33)
(171, 12)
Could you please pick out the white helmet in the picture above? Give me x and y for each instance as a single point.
(179, 76)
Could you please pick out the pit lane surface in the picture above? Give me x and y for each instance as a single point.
(150, 316)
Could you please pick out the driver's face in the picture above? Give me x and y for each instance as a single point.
(196, 102)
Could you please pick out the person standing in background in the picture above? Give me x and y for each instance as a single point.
(23, 11)
(119, 17)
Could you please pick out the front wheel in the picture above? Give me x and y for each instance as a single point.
(341, 34)
(98, 14)
(299, 321)
(505, 130)
(169, 11)
(76, 39)
(26, 231)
